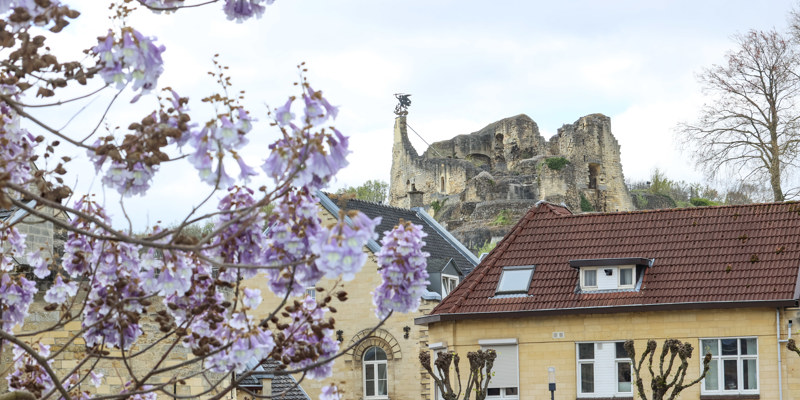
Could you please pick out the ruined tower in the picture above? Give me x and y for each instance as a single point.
(507, 167)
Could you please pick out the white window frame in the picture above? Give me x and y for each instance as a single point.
(740, 358)
(436, 348)
(312, 292)
(619, 278)
(523, 289)
(453, 279)
(492, 344)
(375, 365)
(503, 394)
(615, 361)
(583, 279)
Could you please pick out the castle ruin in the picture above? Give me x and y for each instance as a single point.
(477, 183)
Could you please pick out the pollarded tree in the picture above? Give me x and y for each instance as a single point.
(751, 125)
(480, 373)
(157, 310)
(665, 383)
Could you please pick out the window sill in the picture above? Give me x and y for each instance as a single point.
(730, 397)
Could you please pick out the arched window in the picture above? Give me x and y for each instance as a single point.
(376, 384)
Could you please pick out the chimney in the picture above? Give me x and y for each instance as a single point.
(414, 197)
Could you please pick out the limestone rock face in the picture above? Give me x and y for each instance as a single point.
(481, 183)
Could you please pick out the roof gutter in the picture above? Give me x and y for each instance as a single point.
(435, 318)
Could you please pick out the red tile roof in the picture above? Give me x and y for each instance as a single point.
(703, 257)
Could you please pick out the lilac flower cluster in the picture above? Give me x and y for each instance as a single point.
(133, 177)
(34, 9)
(16, 292)
(18, 144)
(241, 10)
(241, 240)
(309, 339)
(218, 137)
(402, 267)
(131, 58)
(341, 247)
(304, 157)
(288, 242)
(28, 374)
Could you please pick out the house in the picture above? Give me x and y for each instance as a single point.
(382, 364)
(565, 291)
(282, 387)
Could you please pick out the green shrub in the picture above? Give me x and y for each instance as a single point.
(503, 218)
(586, 205)
(702, 202)
(487, 247)
(437, 205)
(556, 163)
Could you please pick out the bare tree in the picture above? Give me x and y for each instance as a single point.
(664, 383)
(480, 373)
(751, 126)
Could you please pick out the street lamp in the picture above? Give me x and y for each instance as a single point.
(551, 377)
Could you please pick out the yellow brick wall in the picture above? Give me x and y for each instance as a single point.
(355, 315)
(538, 350)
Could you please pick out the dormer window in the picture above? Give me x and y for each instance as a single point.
(589, 278)
(515, 280)
(449, 283)
(626, 277)
(610, 273)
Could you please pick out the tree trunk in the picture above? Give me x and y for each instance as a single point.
(775, 180)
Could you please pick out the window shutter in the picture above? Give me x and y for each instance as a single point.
(506, 366)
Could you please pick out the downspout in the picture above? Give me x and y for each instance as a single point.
(778, 333)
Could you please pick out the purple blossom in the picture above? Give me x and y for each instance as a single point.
(295, 212)
(39, 264)
(283, 115)
(131, 58)
(306, 344)
(27, 372)
(96, 378)
(60, 292)
(340, 247)
(16, 296)
(330, 392)
(241, 10)
(402, 267)
(252, 298)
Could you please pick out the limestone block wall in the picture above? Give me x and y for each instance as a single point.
(356, 318)
(513, 152)
(538, 349)
(115, 371)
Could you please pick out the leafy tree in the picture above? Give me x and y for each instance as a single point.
(480, 373)
(371, 190)
(665, 383)
(193, 287)
(751, 125)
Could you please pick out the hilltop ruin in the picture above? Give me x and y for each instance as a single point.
(478, 184)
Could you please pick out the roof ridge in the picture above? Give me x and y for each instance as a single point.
(668, 210)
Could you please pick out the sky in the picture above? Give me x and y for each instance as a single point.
(465, 63)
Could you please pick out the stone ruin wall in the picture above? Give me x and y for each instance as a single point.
(470, 180)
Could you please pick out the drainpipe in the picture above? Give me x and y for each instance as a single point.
(778, 332)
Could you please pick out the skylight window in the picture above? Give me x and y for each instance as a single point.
(515, 280)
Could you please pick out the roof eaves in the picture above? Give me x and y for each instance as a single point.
(446, 235)
(332, 208)
(434, 318)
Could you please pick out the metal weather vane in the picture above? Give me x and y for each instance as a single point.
(404, 103)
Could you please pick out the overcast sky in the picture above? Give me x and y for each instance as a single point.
(466, 64)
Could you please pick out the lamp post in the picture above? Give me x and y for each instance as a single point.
(551, 377)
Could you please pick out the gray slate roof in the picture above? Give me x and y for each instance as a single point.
(441, 245)
(280, 383)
